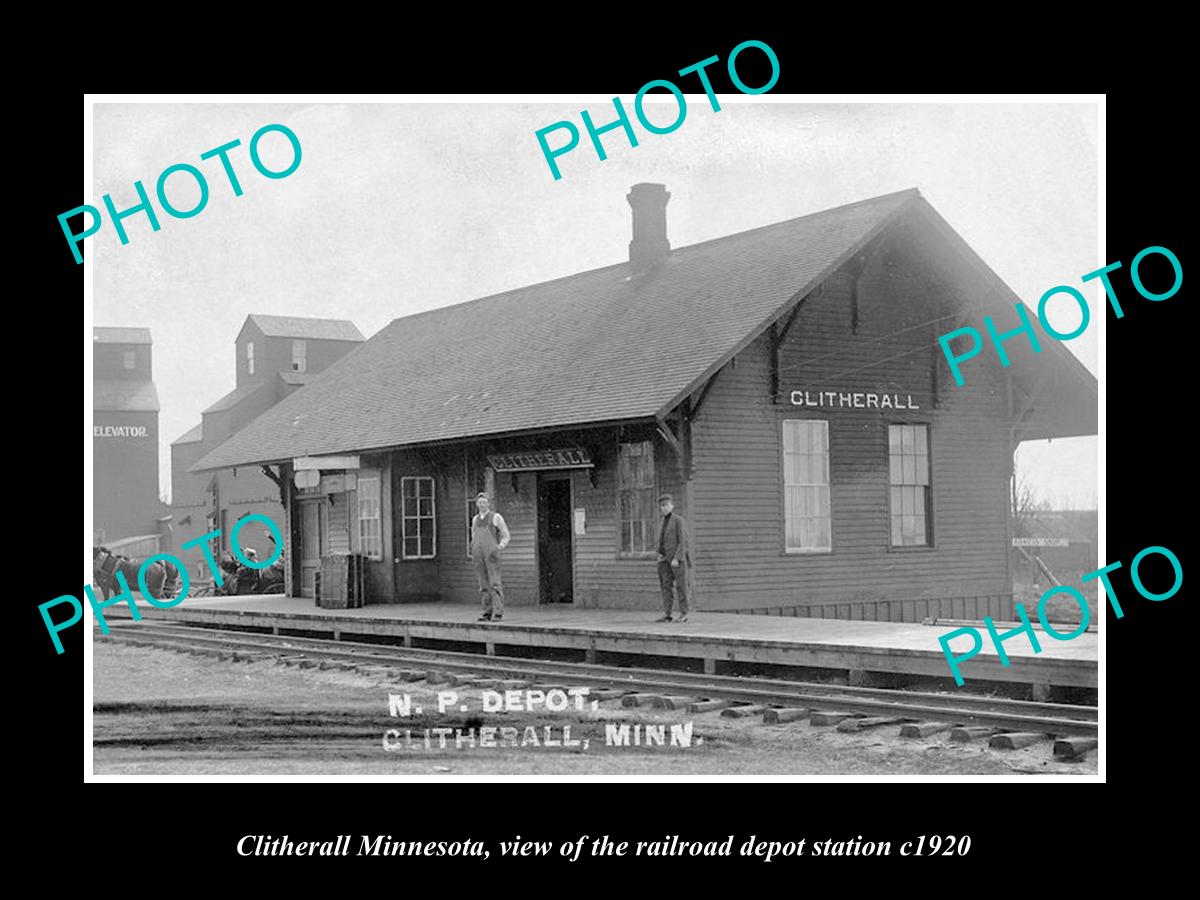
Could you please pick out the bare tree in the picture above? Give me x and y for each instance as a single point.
(1026, 503)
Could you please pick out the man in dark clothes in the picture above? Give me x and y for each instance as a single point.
(674, 557)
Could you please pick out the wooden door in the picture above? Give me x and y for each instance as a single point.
(314, 542)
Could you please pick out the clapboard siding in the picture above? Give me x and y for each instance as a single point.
(740, 557)
(603, 578)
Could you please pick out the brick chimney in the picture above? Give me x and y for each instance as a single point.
(649, 246)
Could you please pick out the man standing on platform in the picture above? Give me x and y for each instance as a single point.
(489, 535)
(674, 557)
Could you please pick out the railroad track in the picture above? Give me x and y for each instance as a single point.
(1005, 723)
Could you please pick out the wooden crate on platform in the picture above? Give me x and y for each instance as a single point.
(340, 582)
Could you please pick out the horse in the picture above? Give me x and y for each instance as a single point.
(162, 577)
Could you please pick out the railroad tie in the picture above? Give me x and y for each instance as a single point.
(925, 729)
(743, 712)
(548, 687)
(1073, 749)
(829, 718)
(288, 660)
(513, 684)
(964, 733)
(1015, 740)
(674, 701)
(436, 676)
(249, 657)
(457, 678)
(853, 726)
(788, 714)
(703, 706)
(641, 700)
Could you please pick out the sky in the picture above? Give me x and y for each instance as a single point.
(400, 208)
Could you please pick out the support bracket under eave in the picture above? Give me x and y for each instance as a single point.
(676, 430)
(779, 333)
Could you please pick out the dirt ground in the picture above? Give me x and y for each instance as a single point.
(157, 712)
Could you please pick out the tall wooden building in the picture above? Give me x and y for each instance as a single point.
(125, 500)
(784, 383)
(274, 356)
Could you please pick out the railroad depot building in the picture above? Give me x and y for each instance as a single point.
(274, 357)
(125, 500)
(784, 384)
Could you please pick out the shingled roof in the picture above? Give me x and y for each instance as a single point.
(601, 346)
(124, 396)
(234, 397)
(301, 327)
(191, 436)
(105, 335)
(594, 347)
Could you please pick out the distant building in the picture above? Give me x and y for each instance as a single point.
(124, 435)
(275, 356)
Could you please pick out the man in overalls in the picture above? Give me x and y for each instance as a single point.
(489, 535)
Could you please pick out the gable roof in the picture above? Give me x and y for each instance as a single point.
(191, 436)
(124, 396)
(234, 397)
(300, 327)
(121, 335)
(594, 347)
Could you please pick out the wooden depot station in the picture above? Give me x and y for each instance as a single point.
(784, 384)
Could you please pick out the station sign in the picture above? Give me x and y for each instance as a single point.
(569, 458)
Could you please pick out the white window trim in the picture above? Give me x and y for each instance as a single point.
(927, 544)
(378, 517)
(805, 551)
(404, 517)
(302, 357)
(249, 357)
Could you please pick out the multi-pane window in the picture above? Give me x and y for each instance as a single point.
(129, 359)
(417, 516)
(299, 356)
(249, 357)
(807, 522)
(370, 535)
(635, 489)
(908, 455)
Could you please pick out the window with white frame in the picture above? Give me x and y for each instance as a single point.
(807, 522)
(249, 357)
(299, 356)
(419, 537)
(130, 359)
(635, 489)
(908, 458)
(370, 533)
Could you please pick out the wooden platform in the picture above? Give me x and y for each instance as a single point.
(716, 639)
